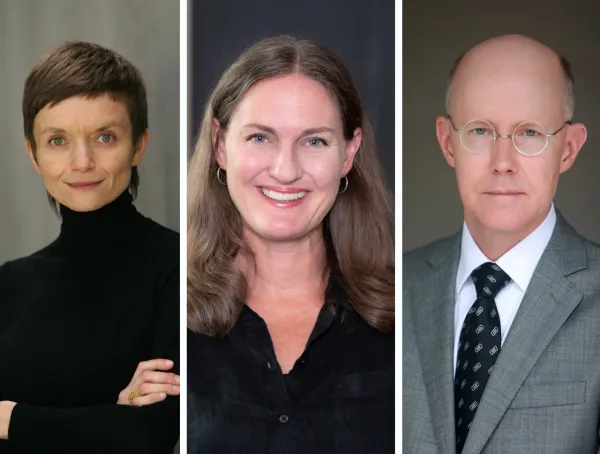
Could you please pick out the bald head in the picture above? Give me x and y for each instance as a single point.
(503, 60)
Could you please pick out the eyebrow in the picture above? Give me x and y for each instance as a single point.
(305, 132)
(52, 130)
(513, 125)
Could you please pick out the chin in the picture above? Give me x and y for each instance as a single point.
(279, 236)
(278, 233)
(506, 222)
(83, 207)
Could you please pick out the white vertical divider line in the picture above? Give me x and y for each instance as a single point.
(183, 161)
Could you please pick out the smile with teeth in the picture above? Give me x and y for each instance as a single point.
(283, 196)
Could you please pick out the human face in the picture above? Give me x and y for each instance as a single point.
(503, 191)
(284, 153)
(84, 150)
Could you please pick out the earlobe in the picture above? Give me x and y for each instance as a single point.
(218, 146)
(574, 142)
(352, 148)
(29, 149)
(442, 129)
(140, 148)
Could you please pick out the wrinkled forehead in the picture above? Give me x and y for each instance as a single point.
(508, 89)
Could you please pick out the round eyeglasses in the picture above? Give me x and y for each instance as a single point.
(529, 138)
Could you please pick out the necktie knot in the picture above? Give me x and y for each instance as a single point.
(489, 279)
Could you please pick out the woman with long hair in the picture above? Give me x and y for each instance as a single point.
(290, 262)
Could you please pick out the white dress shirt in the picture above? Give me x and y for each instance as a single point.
(519, 263)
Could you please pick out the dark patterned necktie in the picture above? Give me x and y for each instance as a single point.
(478, 347)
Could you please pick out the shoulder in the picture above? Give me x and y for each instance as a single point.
(417, 261)
(592, 254)
(569, 248)
(159, 240)
(158, 232)
(28, 263)
(160, 257)
(577, 257)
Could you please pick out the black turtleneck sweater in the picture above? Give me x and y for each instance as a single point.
(76, 318)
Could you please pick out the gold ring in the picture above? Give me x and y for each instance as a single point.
(133, 394)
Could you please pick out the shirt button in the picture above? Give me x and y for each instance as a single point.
(283, 419)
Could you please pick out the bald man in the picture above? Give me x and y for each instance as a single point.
(501, 322)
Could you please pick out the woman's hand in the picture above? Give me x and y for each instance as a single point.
(6, 408)
(148, 385)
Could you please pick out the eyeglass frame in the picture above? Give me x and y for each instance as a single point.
(507, 136)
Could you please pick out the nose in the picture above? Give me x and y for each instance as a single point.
(285, 167)
(82, 157)
(503, 155)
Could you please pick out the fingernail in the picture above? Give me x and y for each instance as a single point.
(169, 362)
(175, 388)
(177, 379)
(162, 395)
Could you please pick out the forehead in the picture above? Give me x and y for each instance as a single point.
(82, 112)
(287, 102)
(509, 88)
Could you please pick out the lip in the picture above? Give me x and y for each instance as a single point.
(284, 190)
(84, 184)
(504, 193)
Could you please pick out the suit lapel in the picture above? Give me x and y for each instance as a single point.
(548, 302)
(434, 315)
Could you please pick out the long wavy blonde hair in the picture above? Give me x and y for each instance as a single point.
(358, 230)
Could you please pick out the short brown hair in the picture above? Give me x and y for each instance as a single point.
(358, 231)
(89, 70)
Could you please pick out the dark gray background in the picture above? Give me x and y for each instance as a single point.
(361, 33)
(434, 35)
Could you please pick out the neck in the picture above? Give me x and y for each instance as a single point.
(285, 272)
(105, 228)
(495, 243)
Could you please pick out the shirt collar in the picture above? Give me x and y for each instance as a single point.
(519, 262)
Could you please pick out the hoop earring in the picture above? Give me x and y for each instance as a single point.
(219, 177)
(345, 187)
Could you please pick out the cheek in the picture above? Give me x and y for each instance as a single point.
(542, 176)
(469, 172)
(325, 173)
(326, 168)
(52, 167)
(245, 164)
(114, 161)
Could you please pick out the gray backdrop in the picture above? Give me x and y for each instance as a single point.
(434, 35)
(147, 33)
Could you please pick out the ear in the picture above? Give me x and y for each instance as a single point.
(29, 149)
(351, 149)
(218, 143)
(576, 137)
(140, 148)
(443, 130)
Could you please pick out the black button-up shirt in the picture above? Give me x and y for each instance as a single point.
(338, 398)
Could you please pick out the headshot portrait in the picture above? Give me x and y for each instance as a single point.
(291, 311)
(89, 318)
(501, 272)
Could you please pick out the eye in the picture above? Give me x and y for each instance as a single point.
(316, 142)
(480, 131)
(106, 138)
(257, 138)
(530, 132)
(57, 141)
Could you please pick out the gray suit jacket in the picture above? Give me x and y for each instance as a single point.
(544, 393)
